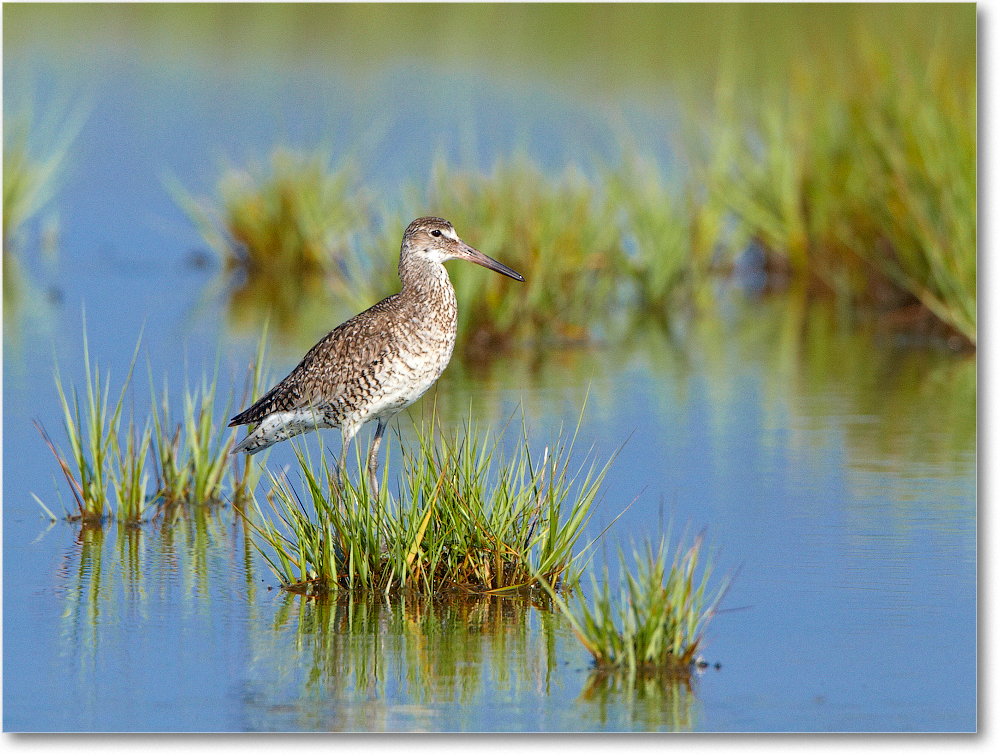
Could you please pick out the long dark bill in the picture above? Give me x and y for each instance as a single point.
(474, 255)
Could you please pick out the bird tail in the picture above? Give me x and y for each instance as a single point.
(253, 443)
(276, 427)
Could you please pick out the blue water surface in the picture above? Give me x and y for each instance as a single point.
(841, 500)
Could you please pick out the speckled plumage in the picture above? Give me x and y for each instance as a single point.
(379, 361)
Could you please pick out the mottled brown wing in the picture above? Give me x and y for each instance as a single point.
(342, 360)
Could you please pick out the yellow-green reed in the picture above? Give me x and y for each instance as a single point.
(190, 456)
(131, 478)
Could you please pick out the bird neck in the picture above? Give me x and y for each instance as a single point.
(424, 279)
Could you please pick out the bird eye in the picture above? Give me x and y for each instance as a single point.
(436, 232)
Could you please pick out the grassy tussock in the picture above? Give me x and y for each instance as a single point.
(109, 470)
(861, 175)
(656, 622)
(466, 518)
(558, 233)
(96, 463)
(285, 231)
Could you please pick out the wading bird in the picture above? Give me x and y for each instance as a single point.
(379, 361)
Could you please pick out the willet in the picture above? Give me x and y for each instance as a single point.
(379, 361)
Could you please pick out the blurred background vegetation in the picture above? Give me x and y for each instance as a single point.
(828, 147)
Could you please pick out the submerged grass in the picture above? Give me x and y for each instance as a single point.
(656, 622)
(466, 518)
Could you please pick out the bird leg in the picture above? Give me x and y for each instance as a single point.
(373, 456)
(347, 434)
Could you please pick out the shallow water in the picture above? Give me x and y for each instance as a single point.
(852, 529)
(832, 469)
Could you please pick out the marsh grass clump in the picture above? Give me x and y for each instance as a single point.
(190, 457)
(655, 624)
(500, 521)
(96, 463)
(285, 232)
(131, 478)
(921, 152)
(30, 171)
(557, 232)
(35, 152)
(467, 518)
(860, 175)
(108, 469)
